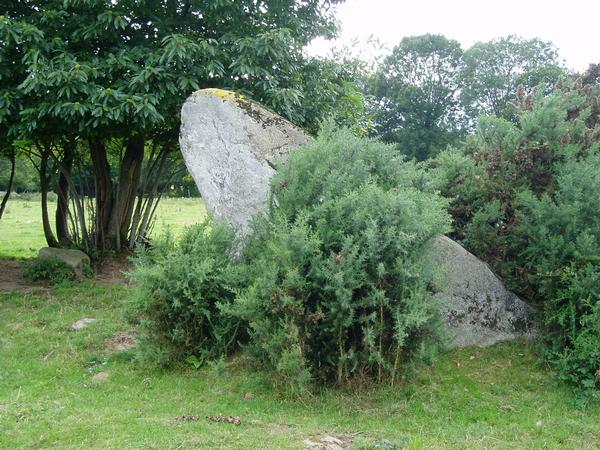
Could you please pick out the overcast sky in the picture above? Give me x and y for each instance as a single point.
(572, 25)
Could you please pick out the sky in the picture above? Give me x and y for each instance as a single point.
(572, 25)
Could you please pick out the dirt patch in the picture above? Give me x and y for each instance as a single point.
(123, 340)
(328, 442)
(187, 418)
(11, 279)
(111, 271)
(108, 272)
(232, 420)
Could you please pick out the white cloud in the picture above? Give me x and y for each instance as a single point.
(570, 25)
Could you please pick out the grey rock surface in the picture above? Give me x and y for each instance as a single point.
(231, 146)
(82, 323)
(478, 308)
(73, 258)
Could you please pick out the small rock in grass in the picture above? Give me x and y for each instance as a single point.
(82, 323)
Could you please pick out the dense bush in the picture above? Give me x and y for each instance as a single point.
(525, 198)
(562, 257)
(331, 285)
(52, 269)
(338, 287)
(179, 287)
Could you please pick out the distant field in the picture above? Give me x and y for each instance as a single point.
(21, 234)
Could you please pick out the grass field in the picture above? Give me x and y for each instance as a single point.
(21, 234)
(51, 395)
(470, 398)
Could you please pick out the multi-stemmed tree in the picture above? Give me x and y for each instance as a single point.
(101, 82)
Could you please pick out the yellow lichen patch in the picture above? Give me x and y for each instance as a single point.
(222, 93)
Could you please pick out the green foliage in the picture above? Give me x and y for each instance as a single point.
(492, 72)
(416, 89)
(331, 285)
(26, 179)
(428, 92)
(51, 269)
(338, 287)
(119, 72)
(563, 257)
(525, 199)
(124, 65)
(179, 289)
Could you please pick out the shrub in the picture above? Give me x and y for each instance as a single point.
(563, 262)
(179, 287)
(51, 269)
(337, 281)
(331, 285)
(525, 198)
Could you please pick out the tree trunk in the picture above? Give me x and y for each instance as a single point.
(11, 179)
(129, 181)
(62, 190)
(104, 193)
(44, 182)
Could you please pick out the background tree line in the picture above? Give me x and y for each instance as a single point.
(429, 92)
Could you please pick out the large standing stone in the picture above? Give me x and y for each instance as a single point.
(231, 146)
(478, 308)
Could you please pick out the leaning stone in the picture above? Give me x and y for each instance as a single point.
(82, 323)
(478, 309)
(231, 146)
(72, 258)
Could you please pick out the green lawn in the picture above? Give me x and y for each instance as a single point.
(21, 234)
(470, 398)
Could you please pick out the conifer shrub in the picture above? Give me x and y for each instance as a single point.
(331, 285)
(562, 256)
(525, 197)
(179, 286)
(338, 282)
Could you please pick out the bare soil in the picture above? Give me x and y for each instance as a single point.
(108, 272)
(11, 279)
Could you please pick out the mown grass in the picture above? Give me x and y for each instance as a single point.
(21, 234)
(499, 397)
(470, 398)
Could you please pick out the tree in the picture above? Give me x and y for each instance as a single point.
(493, 71)
(14, 36)
(11, 178)
(416, 89)
(118, 72)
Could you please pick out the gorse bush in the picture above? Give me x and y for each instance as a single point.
(179, 286)
(338, 287)
(562, 257)
(331, 284)
(525, 198)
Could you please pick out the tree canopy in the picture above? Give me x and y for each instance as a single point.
(102, 82)
(429, 92)
(417, 93)
(493, 70)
